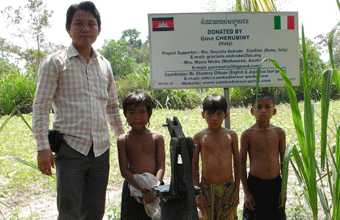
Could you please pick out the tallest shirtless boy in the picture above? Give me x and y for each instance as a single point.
(266, 145)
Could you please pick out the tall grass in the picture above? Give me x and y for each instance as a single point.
(16, 91)
(304, 162)
(335, 152)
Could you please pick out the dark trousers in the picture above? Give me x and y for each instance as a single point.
(131, 209)
(266, 194)
(81, 184)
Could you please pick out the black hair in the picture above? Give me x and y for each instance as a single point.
(85, 6)
(263, 95)
(137, 98)
(215, 102)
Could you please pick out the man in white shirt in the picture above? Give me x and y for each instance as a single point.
(79, 83)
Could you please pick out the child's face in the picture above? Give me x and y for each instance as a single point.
(264, 110)
(137, 116)
(214, 120)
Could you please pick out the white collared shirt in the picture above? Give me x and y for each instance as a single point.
(84, 99)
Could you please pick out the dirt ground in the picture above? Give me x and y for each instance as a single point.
(42, 206)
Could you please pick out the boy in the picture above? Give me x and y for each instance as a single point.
(78, 81)
(266, 146)
(140, 151)
(218, 147)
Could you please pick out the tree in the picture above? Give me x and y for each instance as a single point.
(315, 63)
(255, 5)
(245, 5)
(137, 49)
(117, 54)
(322, 44)
(7, 50)
(131, 36)
(315, 68)
(30, 21)
(143, 56)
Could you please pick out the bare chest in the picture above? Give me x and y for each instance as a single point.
(140, 147)
(262, 142)
(216, 145)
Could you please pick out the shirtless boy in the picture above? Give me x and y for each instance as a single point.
(218, 147)
(140, 150)
(266, 145)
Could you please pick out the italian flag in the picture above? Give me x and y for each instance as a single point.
(284, 22)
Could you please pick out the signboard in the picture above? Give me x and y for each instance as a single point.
(199, 50)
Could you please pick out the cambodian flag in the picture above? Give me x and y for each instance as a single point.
(163, 24)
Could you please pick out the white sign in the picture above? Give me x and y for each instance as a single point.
(199, 50)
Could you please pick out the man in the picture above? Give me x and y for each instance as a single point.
(79, 83)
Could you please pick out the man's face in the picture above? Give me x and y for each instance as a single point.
(84, 29)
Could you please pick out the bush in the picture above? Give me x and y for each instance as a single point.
(241, 96)
(16, 91)
(140, 80)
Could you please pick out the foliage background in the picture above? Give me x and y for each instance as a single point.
(129, 58)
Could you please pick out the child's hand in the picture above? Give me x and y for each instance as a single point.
(234, 200)
(249, 201)
(201, 201)
(280, 200)
(148, 197)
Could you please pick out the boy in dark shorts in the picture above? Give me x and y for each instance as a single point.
(141, 153)
(266, 145)
(220, 159)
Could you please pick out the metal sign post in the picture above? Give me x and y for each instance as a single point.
(226, 95)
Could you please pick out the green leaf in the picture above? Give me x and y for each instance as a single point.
(325, 97)
(336, 77)
(285, 166)
(309, 111)
(336, 177)
(7, 119)
(5, 205)
(22, 117)
(324, 203)
(19, 160)
(301, 182)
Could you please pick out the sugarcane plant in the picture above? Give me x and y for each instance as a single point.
(303, 156)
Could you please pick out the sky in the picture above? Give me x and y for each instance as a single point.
(316, 16)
